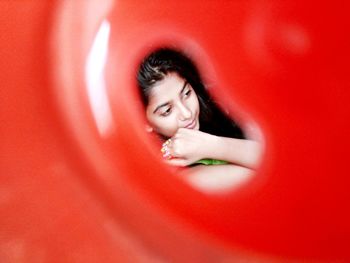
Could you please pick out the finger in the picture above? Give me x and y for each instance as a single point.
(176, 149)
(174, 154)
(172, 148)
(166, 149)
(177, 162)
(167, 143)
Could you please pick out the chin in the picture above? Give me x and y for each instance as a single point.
(197, 124)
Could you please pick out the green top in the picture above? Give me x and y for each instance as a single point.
(210, 162)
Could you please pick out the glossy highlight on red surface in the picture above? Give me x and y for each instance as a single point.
(81, 182)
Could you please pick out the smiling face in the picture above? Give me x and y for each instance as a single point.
(172, 104)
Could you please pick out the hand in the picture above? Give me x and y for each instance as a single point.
(188, 146)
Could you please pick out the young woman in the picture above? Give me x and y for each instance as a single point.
(193, 129)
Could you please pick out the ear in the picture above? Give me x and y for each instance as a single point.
(149, 128)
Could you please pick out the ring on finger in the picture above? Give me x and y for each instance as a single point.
(166, 150)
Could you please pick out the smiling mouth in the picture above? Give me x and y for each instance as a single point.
(191, 125)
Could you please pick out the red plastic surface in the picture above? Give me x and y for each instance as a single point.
(71, 192)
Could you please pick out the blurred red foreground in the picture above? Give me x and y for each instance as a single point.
(69, 194)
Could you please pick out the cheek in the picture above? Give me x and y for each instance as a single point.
(196, 104)
(165, 126)
(170, 124)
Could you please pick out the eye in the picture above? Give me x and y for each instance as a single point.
(187, 93)
(166, 112)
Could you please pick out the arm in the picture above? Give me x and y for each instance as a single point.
(217, 177)
(237, 151)
(189, 146)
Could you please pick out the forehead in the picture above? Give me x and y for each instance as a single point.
(166, 89)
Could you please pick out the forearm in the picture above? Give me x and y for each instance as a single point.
(245, 153)
(217, 177)
(188, 146)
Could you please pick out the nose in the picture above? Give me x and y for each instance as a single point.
(184, 112)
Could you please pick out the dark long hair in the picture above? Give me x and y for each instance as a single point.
(159, 63)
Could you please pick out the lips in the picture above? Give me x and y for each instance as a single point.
(191, 125)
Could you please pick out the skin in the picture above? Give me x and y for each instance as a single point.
(173, 112)
(173, 104)
(215, 179)
(189, 146)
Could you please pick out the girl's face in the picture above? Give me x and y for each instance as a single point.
(173, 104)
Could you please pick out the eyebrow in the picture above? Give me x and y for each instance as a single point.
(166, 103)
